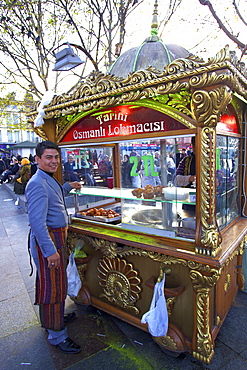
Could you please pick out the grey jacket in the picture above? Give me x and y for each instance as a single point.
(46, 208)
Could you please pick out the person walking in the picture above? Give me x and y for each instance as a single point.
(49, 222)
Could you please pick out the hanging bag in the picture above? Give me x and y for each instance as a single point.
(157, 316)
(74, 280)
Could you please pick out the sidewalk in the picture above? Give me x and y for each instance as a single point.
(107, 343)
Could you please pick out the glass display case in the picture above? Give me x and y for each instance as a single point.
(227, 175)
(149, 199)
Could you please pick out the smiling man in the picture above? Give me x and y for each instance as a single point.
(49, 222)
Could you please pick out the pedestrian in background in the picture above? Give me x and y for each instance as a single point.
(69, 172)
(48, 220)
(105, 169)
(125, 172)
(180, 156)
(2, 166)
(13, 169)
(22, 177)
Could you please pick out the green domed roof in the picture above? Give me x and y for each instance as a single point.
(151, 53)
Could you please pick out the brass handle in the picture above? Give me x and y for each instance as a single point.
(165, 270)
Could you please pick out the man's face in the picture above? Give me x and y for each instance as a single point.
(71, 159)
(49, 160)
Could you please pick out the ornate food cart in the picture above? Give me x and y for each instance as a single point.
(151, 111)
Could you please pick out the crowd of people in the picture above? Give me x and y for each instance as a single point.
(17, 170)
(137, 172)
(82, 168)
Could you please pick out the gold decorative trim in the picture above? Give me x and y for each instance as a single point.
(81, 270)
(169, 304)
(167, 342)
(120, 283)
(207, 106)
(101, 90)
(113, 249)
(227, 282)
(210, 238)
(204, 342)
(242, 247)
(218, 320)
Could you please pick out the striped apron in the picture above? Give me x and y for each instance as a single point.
(51, 284)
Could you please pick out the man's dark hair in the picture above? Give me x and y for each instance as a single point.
(41, 147)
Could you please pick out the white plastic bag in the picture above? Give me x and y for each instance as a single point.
(74, 280)
(157, 316)
(46, 99)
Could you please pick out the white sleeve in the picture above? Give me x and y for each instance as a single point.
(182, 180)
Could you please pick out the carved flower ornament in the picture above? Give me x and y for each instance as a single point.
(120, 282)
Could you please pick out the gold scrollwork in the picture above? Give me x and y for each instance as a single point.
(113, 249)
(218, 320)
(120, 283)
(202, 285)
(81, 270)
(210, 238)
(227, 282)
(208, 105)
(167, 342)
(169, 304)
(100, 90)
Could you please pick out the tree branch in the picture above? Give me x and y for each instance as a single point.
(221, 25)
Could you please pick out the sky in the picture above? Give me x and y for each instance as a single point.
(191, 26)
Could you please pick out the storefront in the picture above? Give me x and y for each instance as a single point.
(134, 229)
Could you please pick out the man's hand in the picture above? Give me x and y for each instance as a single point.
(192, 178)
(75, 184)
(54, 260)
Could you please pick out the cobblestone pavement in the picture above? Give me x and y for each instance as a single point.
(108, 343)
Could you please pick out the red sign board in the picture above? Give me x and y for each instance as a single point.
(228, 123)
(125, 120)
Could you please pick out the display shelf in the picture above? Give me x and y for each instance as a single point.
(127, 194)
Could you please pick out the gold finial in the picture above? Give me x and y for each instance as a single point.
(154, 25)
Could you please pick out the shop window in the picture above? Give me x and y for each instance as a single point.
(227, 179)
(92, 166)
(151, 199)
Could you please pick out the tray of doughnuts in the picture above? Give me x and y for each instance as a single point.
(99, 214)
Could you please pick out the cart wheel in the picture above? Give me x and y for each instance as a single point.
(171, 353)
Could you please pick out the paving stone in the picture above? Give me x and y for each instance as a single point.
(25, 349)
(17, 314)
(107, 342)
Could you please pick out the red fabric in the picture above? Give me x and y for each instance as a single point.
(51, 283)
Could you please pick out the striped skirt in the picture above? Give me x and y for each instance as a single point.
(51, 284)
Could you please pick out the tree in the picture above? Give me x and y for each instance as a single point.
(226, 25)
(31, 30)
(12, 117)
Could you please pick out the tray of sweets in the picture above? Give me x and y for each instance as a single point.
(100, 214)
